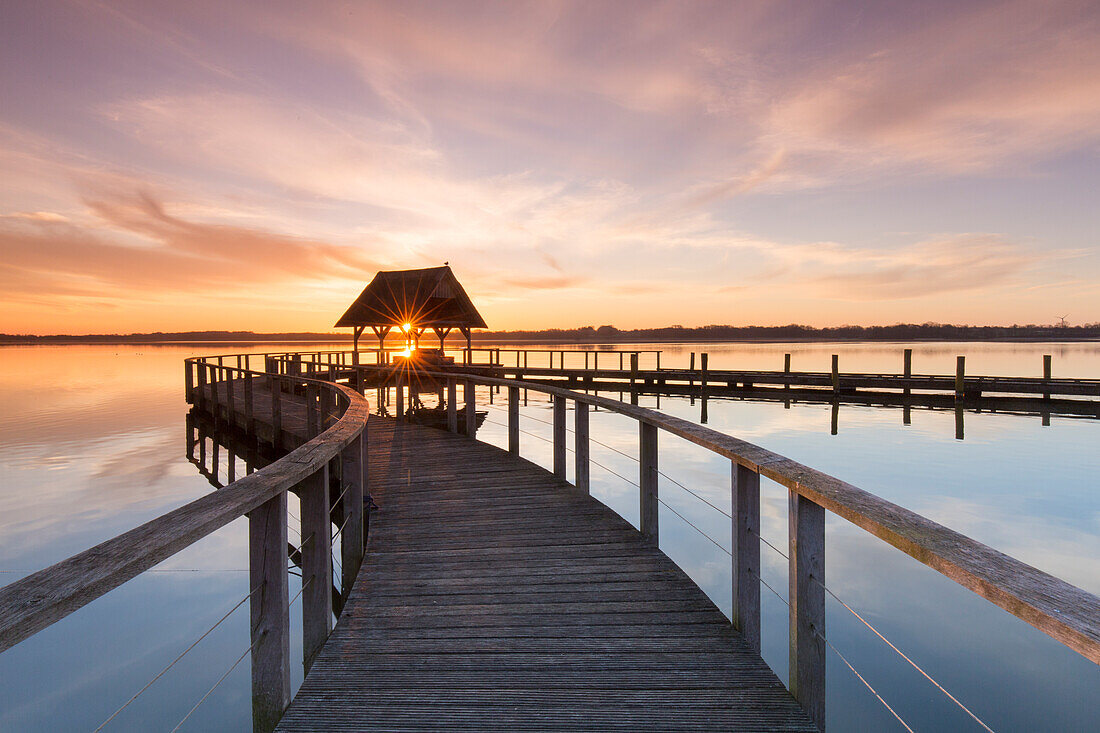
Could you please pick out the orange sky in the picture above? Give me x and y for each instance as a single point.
(191, 166)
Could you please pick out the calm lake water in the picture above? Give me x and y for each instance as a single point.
(92, 443)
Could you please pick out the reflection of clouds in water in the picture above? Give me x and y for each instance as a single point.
(83, 498)
(137, 470)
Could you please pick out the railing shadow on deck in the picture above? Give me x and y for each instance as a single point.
(334, 443)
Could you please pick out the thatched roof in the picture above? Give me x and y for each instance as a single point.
(431, 297)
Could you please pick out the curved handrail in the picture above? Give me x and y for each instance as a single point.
(34, 602)
(1064, 612)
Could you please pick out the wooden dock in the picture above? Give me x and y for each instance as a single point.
(495, 596)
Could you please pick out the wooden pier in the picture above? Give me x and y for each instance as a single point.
(495, 596)
(491, 594)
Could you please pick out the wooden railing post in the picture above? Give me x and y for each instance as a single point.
(313, 412)
(249, 405)
(269, 610)
(647, 481)
(836, 374)
(230, 403)
(188, 381)
(327, 404)
(452, 404)
(316, 564)
(513, 420)
(469, 393)
(353, 469)
(581, 446)
(787, 372)
(806, 545)
(746, 553)
(633, 378)
(559, 437)
(200, 373)
(215, 393)
(276, 412)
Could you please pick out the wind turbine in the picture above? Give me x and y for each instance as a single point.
(1063, 320)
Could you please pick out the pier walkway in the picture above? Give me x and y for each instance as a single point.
(494, 596)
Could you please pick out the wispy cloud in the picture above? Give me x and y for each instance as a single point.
(614, 150)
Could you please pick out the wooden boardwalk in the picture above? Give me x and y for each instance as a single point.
(497, 597)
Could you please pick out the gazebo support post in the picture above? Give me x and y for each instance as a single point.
(357, 331)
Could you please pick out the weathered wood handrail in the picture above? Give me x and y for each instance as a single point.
(42, 598)
(1064, 612)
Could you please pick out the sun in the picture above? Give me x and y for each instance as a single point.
(406, 327)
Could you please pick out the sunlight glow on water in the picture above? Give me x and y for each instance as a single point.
(92, 444)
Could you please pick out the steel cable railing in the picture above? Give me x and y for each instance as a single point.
(720, 546)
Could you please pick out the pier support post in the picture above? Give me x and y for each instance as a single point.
(581, 447)
(960, 377)
(188, 381)
(907, 358)
(559, 437)
(806, 591)
(316, 565)
(469, 393)
(353, 468)
(647, 481)
(836, 374)
(513, 420)
(269, 611)
(1046, 373)
(787, 372)
(746, 553)
(452, 406)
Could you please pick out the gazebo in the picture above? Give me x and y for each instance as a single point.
(412, 301)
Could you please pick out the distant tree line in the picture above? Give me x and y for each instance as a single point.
(610, 334)
(797, 332)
